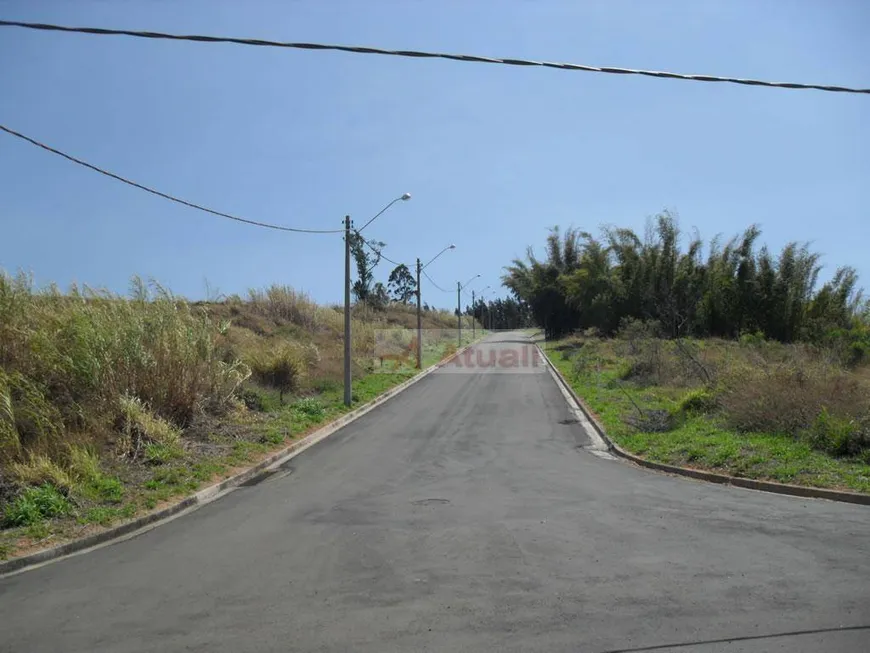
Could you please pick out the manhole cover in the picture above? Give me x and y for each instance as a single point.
(430, 502)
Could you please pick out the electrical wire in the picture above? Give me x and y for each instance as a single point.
(433, 55)
(426, 274)
(171, 198)
(378, 251)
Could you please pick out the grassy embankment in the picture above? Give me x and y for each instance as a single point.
(111, 406)
(756, 409)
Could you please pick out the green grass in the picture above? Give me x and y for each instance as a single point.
(107, 515)
(700, 440)
(36, 504)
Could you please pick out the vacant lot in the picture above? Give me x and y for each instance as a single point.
(110, 406)
(757, 409)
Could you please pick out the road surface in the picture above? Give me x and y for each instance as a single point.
(465, 515)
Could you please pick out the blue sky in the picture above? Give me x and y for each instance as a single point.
(492, 155)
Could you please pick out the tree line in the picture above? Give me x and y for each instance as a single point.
(738, 287)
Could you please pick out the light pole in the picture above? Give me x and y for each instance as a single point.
(420, 268)
(459, 288)
(347, 348)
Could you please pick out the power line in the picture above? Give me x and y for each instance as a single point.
(426, 274)
(378, 251)
(431, 55)
(171, 198)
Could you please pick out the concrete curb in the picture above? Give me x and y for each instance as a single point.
(711, 477)
(213, 492)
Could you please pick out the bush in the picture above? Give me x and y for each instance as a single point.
(36, 504)
(310, 407)
(145, 434)
(27, 418)
(282, 369)
(787, 397)
(838, 436)
(699, 400)
(586, 358)
(39, 469)
(754, 339)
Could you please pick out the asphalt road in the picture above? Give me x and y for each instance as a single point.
(465, 515)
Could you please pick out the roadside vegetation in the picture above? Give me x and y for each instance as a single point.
(110, 406)
(737, 361)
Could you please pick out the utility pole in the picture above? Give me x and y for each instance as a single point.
(347, 348)
(419, 322)
(459, 311)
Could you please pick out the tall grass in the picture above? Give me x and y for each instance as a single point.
(67, 360)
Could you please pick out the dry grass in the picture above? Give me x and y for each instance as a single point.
(786, 413)
(88, 367)
(786, 396)
(796, 390)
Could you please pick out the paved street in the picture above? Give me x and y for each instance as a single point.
(464, 515)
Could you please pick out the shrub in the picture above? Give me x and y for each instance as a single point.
(27, 419)
(157, 453)
(586, 358)
(838, 436)
(699, 400)
(786, 397)
(310, 407)
(108, 489)
(39, 469)
(145, 434)
(35, 504)
(282, 369)
(754, 339)
(285, 303)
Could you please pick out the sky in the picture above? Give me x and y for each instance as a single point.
(493, 155)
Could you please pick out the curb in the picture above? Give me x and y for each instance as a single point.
(213, 492)
(701, 475)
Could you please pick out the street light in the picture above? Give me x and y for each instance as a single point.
(459, 288)
(420, 268)
(347, 348)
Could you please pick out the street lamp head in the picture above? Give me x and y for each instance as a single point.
(451, 247)
(405, 196)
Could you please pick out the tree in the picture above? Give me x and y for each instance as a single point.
(366, 257)
(378, 298)
(402, 284)
(589, 283)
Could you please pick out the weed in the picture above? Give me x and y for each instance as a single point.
(158, 453)
(282, 369)
(84, 465)
(274, 436)
(838, 436)
(785, 397)
(310, 407)
(35, 504)
(699, 400)
(38, 530)
(706, 438)
(146, 434)
(108, 489)
(105, 516)
(39, 469)
(326, 385)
